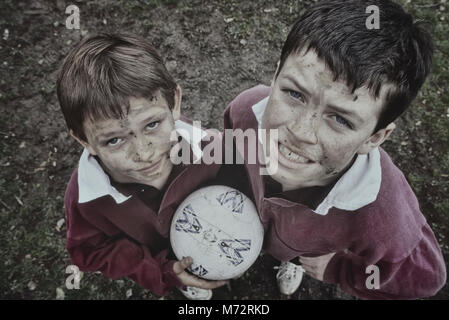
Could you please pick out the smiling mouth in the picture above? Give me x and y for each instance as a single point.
(151, 168)
(292, 156)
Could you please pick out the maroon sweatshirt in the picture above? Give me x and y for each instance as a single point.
(390, 232)
(129, 237)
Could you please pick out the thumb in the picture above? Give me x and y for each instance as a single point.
(179, 266)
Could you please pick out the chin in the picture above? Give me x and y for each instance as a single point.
(160, 178)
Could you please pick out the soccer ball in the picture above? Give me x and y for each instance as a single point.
(219, 228)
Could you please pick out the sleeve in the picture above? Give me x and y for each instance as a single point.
(421, 274)
(92, 250)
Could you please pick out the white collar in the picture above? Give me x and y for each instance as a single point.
(358, 187)
(94, 183)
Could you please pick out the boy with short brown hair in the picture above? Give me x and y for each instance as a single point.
(335, 199)
(121, 104)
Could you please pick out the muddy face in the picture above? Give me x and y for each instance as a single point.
(321, 124)
(135, 149)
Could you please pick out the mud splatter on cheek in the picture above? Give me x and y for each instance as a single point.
(329, 168)
(332, 172)
(129, 153)
(322, 162)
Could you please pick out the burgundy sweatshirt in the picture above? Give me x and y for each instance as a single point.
(129, 237)
(390, 232)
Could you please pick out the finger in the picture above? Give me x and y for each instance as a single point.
(209, 284)
(179, 266)
(191, 280)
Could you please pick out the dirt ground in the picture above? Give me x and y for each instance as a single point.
(215, 50)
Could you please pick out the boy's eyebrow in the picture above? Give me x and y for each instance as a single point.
(110, 134)
(107, 135)
(297, 84)
(153, 116)
(346, 112)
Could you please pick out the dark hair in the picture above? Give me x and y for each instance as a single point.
(399, 52)
(103, 71)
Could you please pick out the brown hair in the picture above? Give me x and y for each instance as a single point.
(103, 71)
(399, 52)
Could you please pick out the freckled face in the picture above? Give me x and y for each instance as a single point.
(135, 149)
(321, 124)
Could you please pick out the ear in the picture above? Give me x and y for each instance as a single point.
(83, 143)
(376, 139)
(176, 112)
(275, 73)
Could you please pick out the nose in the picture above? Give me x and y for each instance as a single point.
(303, 128)
(143, 150)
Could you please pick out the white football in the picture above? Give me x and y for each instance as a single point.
(219, 228)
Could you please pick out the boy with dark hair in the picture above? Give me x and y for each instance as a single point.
(335, 199)
(121, 104)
